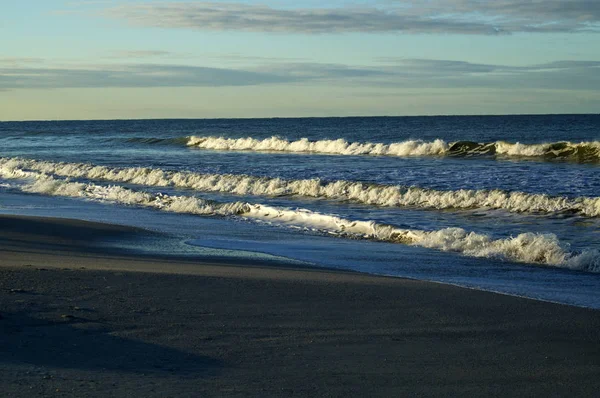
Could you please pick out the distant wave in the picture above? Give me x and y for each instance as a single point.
(150, 140)
(584, 152)
(333, 147)
(370, 194)
(531, 248)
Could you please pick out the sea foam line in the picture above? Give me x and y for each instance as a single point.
(526, 247)
(583, 151)
(371, 194)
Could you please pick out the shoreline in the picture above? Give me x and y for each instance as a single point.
(90, 240)
(80, 319)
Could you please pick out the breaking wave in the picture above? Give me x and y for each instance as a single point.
(585, 152)
(531, 248)
(334, 147)
(370, 194)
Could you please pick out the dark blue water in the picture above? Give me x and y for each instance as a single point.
(559, 160)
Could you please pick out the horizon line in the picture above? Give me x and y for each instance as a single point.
(298, 117)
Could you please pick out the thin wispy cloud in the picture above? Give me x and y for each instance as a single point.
(560, 75)
(323, 71)
(393, 73)
(141, 54)
(434, 16)
(141, 75)
(237, 57)
(16, 61)
(451, 66)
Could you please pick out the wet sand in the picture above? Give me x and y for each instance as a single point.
(78, 318)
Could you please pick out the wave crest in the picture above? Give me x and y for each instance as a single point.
(370, 194)
(585, 152)
(334, 147)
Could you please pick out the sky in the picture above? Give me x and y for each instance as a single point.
(135, 59)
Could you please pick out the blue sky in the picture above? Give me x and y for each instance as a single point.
(166, 59)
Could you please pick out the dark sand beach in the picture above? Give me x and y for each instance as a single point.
(80, 319)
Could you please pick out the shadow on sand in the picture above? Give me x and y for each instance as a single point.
(72, 344)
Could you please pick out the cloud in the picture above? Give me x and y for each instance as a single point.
(539, 11)
(391, 73)
(142, 54)
(227, 57)
(237, 57)
(424, 73)
(519, 15)
(431, 16)
(141, 75)
(252, 18)
(322, 71)
(435, 66)
(16, 61)
(156, 75)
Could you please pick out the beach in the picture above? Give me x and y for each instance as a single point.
(81, 319)
(300, 199)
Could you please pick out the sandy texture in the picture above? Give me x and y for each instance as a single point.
(80, 320)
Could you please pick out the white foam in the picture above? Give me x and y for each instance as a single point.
(527, 248)
(47, 185)
(547, 149)
(371, 194)
(518, 149)
(587, 150)
(336, 147)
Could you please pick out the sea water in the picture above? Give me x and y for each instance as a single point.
(502, 203)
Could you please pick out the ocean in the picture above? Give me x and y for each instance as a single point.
(509, 204)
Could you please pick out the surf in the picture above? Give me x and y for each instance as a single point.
(583, 152)
(340, 190)
(530, 248)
